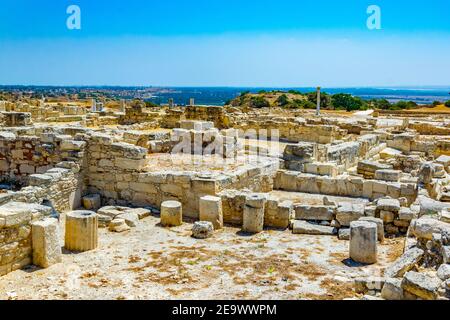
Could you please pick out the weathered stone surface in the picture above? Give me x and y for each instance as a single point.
(424, 228)
(392, 205)
(81, 231)
(406, 214)
(392, 289)
(46, 242)
(103, 220)
(202, 229)
(253, 218)
(171, 214)
(118, 225)
(211, 210)
(363, 242)
(304, 227)
(348, 212)
(446, 254)
(92, 202)
(305, 212)
(388, 175)
(387, 216)
(405, 263)
(344, 234)
(430, 207)
(443, 272)
(380, 226)
(131, 218)
(421, 285)
(444, 216)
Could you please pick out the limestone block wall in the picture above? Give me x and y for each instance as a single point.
(292, 130)
(277, 213)
(15, 234)
(21, 156)
(137, 114)
(345, 186)
(13, 119)
(207, 113)
(119, 172)
(428, 128)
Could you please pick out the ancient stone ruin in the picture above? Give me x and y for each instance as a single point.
(357, 206)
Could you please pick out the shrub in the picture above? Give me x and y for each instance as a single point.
(259, 102)
(447, 103)
(347, 102)
(282, 100)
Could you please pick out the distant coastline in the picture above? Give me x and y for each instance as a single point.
(219, 95)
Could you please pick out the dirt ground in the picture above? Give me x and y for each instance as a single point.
(151, 262)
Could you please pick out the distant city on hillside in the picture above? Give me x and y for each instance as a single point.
(217, 96)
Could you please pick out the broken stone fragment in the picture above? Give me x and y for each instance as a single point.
(392, 205)
(344, 234)
(103, 220)
(405, 263)
(444, 215)
(211, 210)
(304, 227)
(392, 289)
(421, 285)
(81, 231)
(253, 217)
(118, 225)
(202, 229)
(171, 214)
(366, 284)
(424, 228)
(92, 202)
(443, 272)
(46, 242)
(131, 218)
(348, 212)
(314, 213)
(380, 226)
(141, 212)
(446, 254)
(363, 242)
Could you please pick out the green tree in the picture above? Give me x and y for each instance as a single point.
(282, 100)
(325, 99)
(436, 103)
(405, 105)
(259, 102)
(344, 101)
(447, 103)
(382, 104)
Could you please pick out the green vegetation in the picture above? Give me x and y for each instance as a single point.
(344, 101)
(150, 104)
(447, 103)
(282, 100)
(259, 102)
(294, 99)
(436, 103)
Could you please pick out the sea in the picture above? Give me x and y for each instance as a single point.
(217, 96)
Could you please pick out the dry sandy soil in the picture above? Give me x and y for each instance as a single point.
(150, 262)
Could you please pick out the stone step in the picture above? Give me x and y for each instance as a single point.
(304, 227)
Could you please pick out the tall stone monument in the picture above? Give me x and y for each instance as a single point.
(318, 102)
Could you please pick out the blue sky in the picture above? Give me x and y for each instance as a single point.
(225, 43)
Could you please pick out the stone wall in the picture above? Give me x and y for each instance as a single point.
(345, 186)
(21, 156)
(15, 234)
(277, 213)
(119, 172)
(16, 119)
